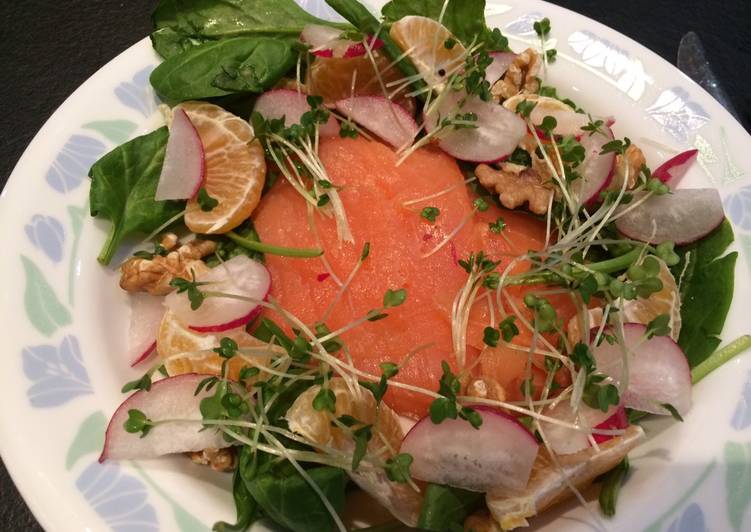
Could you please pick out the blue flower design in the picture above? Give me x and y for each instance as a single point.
(738, 207)
(691, 520)
(120, 500)
(137, 93)
(47, 234)
(57, 373)
(320, 9)
(72, 164)
(742, 415)
(678, 114)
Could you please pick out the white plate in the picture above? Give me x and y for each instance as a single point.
(64, 320)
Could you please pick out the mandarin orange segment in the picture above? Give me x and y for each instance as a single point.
(424, 40)
(666, 301)
(235, 169)
(186, 351)
(331, 78)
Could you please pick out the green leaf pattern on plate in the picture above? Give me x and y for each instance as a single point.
(43, 308)
(116, 131)
(89, 439)
(737, 481)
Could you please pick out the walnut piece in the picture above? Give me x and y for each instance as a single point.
(486, 388)
(517, 185)
(153, 275)
(630, 164)
(218, 459)
(520, 76)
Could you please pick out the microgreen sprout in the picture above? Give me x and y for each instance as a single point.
(137, 422)
(206, 202)
(430, 213)
(191, 287)
(594, 126)
(616, 146)
(508, 328)
(498, 226)
(525, 107)
(445, 407)
(397, 468)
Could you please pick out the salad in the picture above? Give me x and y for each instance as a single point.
(383, 260)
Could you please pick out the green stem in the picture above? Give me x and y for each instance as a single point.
(719, 357)
(605, 266)
(271, 249)
(110, 245)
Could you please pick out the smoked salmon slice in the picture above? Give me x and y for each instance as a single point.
(373, 190)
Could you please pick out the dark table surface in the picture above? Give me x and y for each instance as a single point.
(47, 49)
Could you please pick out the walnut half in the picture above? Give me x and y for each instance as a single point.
(520, 76)
(217, 459)
(516, 185)
(153, 275)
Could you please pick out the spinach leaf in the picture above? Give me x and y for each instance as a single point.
(290, 501)
(611, 487)
(706, 292)
(245, 506)
(445, 508)
(182, 24)
(123, 184)
(464, 18)
(242, 64)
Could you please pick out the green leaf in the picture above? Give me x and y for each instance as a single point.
(245, 506)
(89, 439)
(43, 308)
(464, 18)
(291, 502)
(394, 298)
(611, 487)
(737, 481)
(183, 24)
(123, 184)
(118, 131)
(445, 507)
(220, 68)
(706, 292)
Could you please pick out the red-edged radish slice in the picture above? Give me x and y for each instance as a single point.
(291, 105)
(146, 313)
(619, 420)
(357, 49)
(184, 163)
(499, 66)
(496, 132)
(658, 372)
(170, 398)
(568, 121)
(597, 169)
(566, 440)
(498, 455)
(672, 171)
(325, 41)
(239, 276)
(381, 116)
(685, 216)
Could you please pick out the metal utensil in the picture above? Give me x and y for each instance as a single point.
(692, 61)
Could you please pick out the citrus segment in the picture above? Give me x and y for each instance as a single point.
(666, 301)
(235, 169)
(429, 45)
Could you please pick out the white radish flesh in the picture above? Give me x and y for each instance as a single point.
(146, 313)
(491, 138)
(566, 440)
(239, 276)
(326, 41)
(597, 169)
(658, 372)
(291, 105)
(382, 117)
(499, 66)
(184, 162)
(671, 172)
(685, 216)
(170, 398)
(498, 455)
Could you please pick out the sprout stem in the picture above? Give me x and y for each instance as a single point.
(273, 250)
(719, 357)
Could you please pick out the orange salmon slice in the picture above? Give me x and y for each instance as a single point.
(417, 333)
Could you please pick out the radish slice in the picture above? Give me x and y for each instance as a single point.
(184, 164)
(597, 170)
(497, 133)
(565, 440)
(685, 216)
(619, 420)
(568, 121)
(499, 66)
(325, 41)
(498, 455)
(146, 312)
(381, 116)
(291, 105)
(239, 276)
(672, 171)
(319, 37)
(170, 398)
(658, 372)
